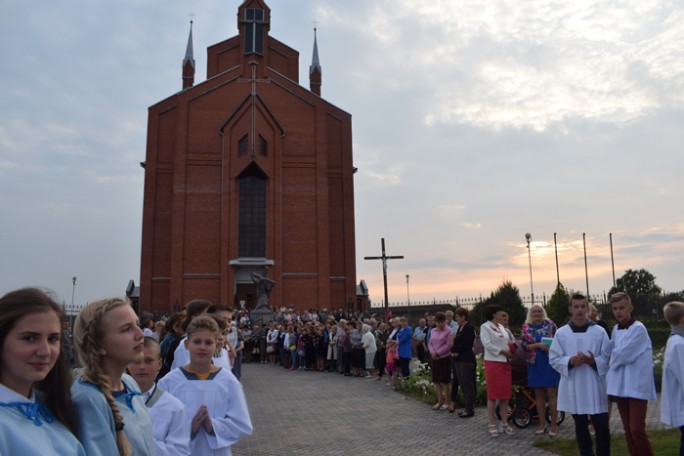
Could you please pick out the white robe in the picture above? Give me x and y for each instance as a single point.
(672, 393)
(96, 422)
(630, 372)
(582, 389)
(181, 356)
(22, 435)
(226, 404)
(168, 423)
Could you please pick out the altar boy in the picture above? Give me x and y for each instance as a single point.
(672, 405)
(580, 352)
(215, 405)
(167, 413)
(630, 373)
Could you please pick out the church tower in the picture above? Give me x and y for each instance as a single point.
(248, 172)
(315, 70)
(189, 63)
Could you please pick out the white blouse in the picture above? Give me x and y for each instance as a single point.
(494, 339)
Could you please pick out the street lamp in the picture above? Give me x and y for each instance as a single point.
(408, 300)
(528, 237)
(73, 290)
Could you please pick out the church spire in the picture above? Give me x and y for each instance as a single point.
(189, 63)
(315, 70)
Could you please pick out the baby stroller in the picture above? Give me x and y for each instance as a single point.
(522, 407)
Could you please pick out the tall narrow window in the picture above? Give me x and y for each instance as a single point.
(263, 146)
(243, 146)
(252, 213)
(254, 28)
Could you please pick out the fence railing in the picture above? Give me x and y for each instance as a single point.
(597, 299)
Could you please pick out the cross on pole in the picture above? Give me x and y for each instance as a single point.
(254, 82)
(384, 259)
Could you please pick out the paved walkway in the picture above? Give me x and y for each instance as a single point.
(313, 413)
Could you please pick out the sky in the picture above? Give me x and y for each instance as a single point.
(474, 122)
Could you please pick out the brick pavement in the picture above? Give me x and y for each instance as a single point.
(302, 413)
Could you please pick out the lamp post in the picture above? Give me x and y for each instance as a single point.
(73, 291)
(408, 299)
(528, 237)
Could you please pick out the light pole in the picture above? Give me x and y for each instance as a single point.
(73, 290)
(408, 299)
(528, 237)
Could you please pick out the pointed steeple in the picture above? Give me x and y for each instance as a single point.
(189, 63)
(315, 70)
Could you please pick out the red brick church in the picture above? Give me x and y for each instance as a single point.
(248, 172)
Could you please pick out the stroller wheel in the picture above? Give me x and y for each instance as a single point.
(521, 417)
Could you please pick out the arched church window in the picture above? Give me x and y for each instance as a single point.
(252, 213)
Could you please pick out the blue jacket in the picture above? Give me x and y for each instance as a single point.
(405, 338)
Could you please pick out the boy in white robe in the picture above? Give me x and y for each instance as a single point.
(580, 352)
(167, 413)
(630, 374)
(216, 409)
(672, 393)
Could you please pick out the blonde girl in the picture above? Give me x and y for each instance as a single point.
(112, 418)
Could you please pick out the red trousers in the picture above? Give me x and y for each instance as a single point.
(633, 414)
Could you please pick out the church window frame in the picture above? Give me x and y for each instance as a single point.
(254, 31)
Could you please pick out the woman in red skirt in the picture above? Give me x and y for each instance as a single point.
(497, 367)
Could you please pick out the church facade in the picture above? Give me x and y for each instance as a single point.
(248, 174)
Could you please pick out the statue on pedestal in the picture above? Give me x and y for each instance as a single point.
(264, 286)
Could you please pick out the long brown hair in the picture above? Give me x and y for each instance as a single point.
(55, 387)
(89, 328)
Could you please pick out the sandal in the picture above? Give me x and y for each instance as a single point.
(493, 430)
(540, 431)
(506, 428)
(437, 406)
(452, 408)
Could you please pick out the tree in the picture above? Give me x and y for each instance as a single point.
(641, 287)
(508, 297)
(557, 305)
(669, 297)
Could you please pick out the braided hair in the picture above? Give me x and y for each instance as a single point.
(88, 331)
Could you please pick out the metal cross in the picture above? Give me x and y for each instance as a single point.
(254, 81)
(384, 259)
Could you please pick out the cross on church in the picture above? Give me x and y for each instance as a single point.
(384, 259)
(254, 81)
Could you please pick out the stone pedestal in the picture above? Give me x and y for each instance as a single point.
(261, 316)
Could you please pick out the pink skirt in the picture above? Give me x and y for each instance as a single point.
(498, 377)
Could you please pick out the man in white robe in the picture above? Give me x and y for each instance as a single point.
(580, 352)
(672, 405)
(630, 375)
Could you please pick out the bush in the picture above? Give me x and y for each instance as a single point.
(419, 385)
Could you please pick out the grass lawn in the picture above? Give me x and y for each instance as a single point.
(664, 442)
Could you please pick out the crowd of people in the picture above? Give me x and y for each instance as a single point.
(173, 386)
